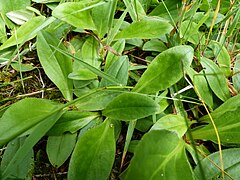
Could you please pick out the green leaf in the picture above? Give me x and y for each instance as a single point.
(23, 170)
(171, 122)
(236, 75)
(135, 9)
(56, 65)
(24, 32)
(231, 161)
(165, 70)
(147, 28)
(3, 33)
(98, 100)
(167, 7)
(216, 79)
(22, 67)
(201, 84)
(89, 54)
(159, 155)
(72, 121)
(20, 16)
(103, 17)
(130, 106)
(119, 70)
(154, 45)
(12, 5)
(189, 31)
(94, 154)
(60, 147)
(118, 47)
(77, 14)
(222, 56)
(226, 118)
(39, 131)
(88, 66)
(22, 116)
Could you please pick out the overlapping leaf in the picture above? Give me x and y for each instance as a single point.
(130, 106)
(165, 70)
(163, 153)
(94, 154)
(56, 65)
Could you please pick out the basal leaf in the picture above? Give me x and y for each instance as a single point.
(12, 5)
(56, 65)
(89, 54)
(23, 170)
(71, 122)
(231, 161)
(98, 100)
(165, 70)
(145, 29)
(216, 79)
(24, 32)
(60, 147)
(22, 116)
(171, 122)
(103, 17)
(130, 106)
(168, 6)
(222, 56)
(119, 70)
(77, 14)
(94, 154)
(226, 118)
(202, 87)
(118, 47)
(3, 33)
(154, 45)
(236, 75)
(39, 131)
(159, 155)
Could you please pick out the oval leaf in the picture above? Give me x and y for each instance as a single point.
(130, 106)
(200, 83)
(171, 122)
(22, 116)
(163, 153)
(216, 79)
(222, 56)
(56, 65)
(24, 33)
(60, 147)
(72, 121)
(77, 14)
(165, 70)
(226, 119)
(231, 161)
(94, 154)
(145, 29)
